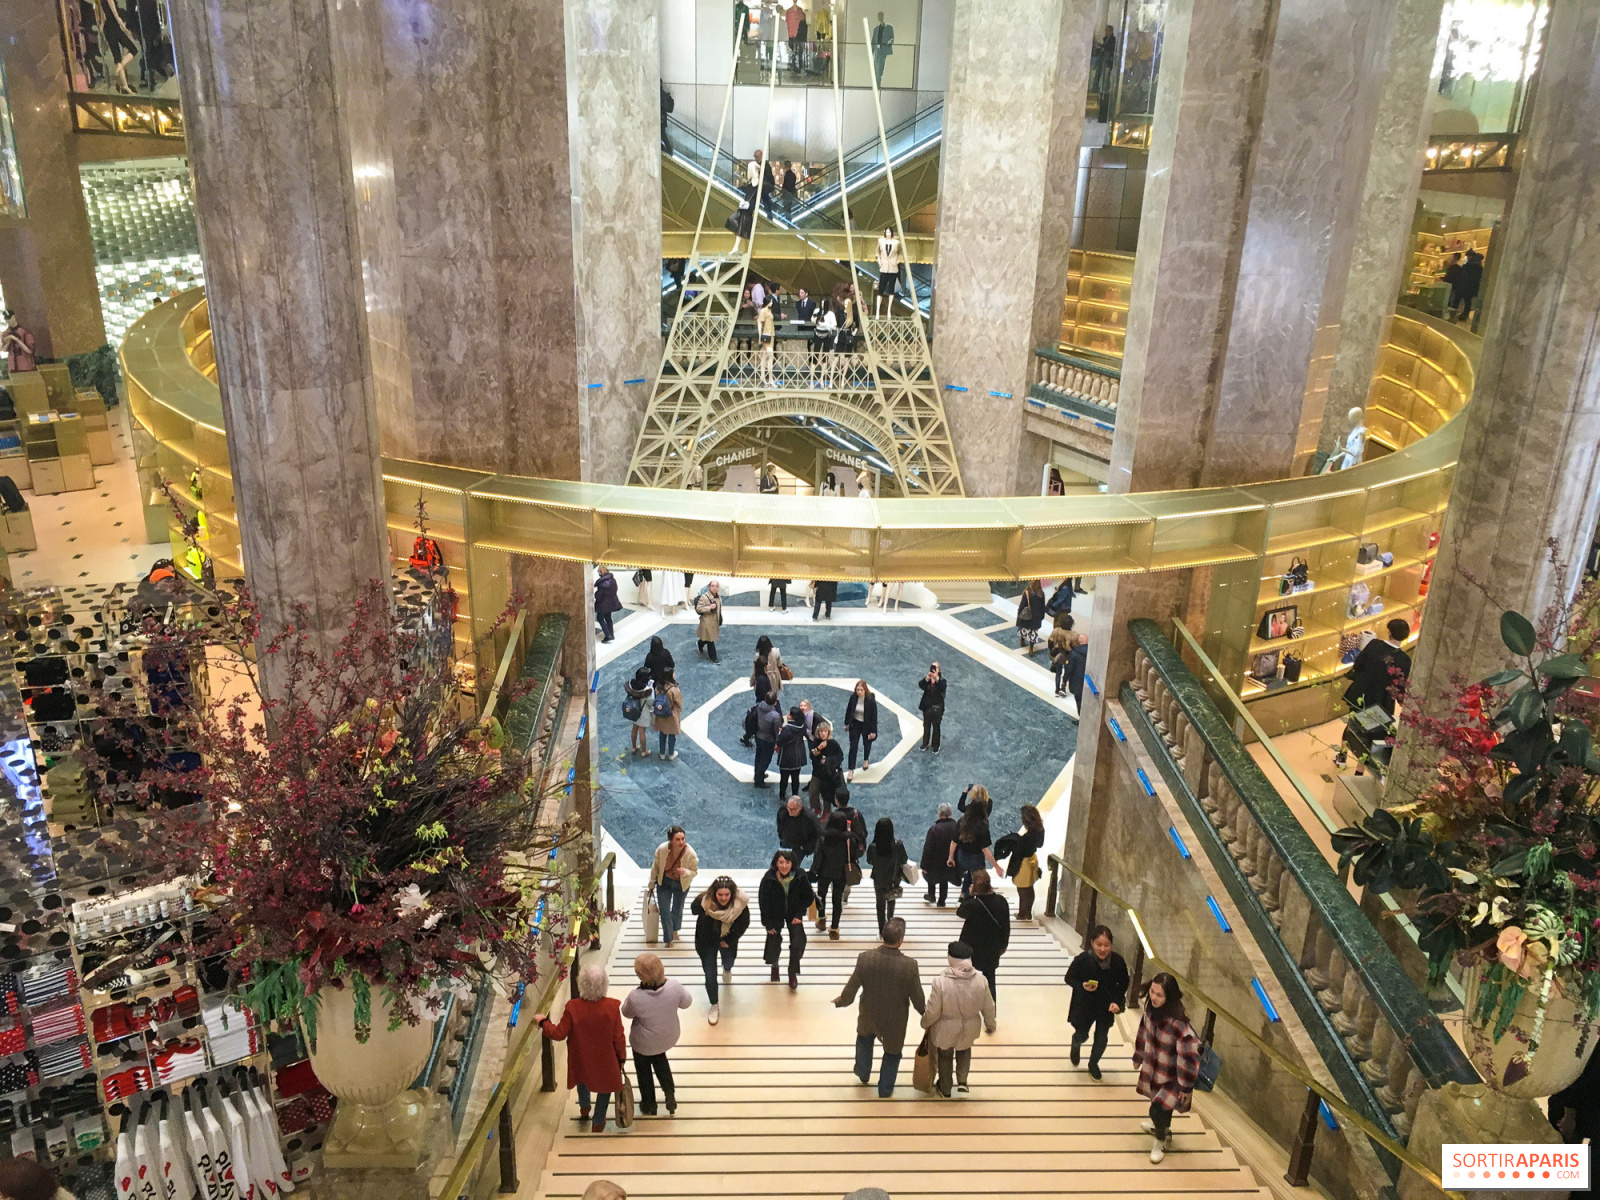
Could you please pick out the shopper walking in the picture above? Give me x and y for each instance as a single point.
(653, 1008)
(931, 706)
(639, 695)
(667, 711)
(1167, 1052)
(986, 926)
(721, 915)
(886, 855)
(591, 1024)
(709, 605)
(793, 748)
(797, 828)
(768, 665)
(861, 722)
(826, 591)
(658, 661)
(1030, 616)
(972, 848)
(606, 603)
(778, 589)
(1060, 645)
(890, 988)
(769, 720)
(827, 769)
(828, 871)
(784, 897)
(1077, 667)
(1098, 978)
(671, 873)
(959, 1004)
(937, 871)
(1021, 849)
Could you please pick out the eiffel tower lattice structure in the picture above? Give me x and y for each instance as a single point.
(885, 391)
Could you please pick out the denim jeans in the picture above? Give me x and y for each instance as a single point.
(669, 899)
(708, 964)
(886, 1074)
(602, 1101)
(763, 758)
(606, 630)
(968, 861)
(669, 742)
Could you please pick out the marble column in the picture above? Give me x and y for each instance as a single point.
(1007, 176)
(478, 101)
(614, 86)
(277, 203)
(1528, 471)
(47, 258)
(1245, 202)
(1382, 239)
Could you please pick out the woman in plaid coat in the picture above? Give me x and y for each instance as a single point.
(1167, 1053)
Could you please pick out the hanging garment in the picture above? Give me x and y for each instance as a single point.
(221, 1156)
(147, 1164)
(127, 1170)
(177, 1183)
(265, 1130)
(200, 1163)
(244, 1175)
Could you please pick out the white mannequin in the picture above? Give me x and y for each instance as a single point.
(1355, 444)
(888, 272)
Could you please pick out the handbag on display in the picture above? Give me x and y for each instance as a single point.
(1385, 558)
(1265, 666)
(1366, 553)
(1295, 578)
(1360, 594)
(1291, 668)
(1278, 622)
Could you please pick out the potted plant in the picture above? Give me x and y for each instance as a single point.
(367, 851)
(1498, 853)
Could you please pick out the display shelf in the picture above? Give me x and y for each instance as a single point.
(1297, 542)
(1392, 518)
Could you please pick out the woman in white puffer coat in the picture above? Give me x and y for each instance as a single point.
(958, 1003)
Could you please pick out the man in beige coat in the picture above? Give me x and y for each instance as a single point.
(890, 987)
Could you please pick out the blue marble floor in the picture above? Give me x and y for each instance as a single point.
(995, 732)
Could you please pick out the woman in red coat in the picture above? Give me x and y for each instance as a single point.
(1167, 1053)
(591, 1025)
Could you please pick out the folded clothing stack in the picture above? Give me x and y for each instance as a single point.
(19, 1073)
(113, 1023)
(10, 992)
(231, 1047)
(65, 1059)
(57, 1024)
(127, 1083)
(67, 798)
(312, 1108)
(296, 1080)
(47, 981)
(13, 1039)
(187, 1000)
(179, 1060)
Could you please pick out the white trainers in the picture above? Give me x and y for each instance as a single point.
(714, 1015)
(727, 975)
(1148, 1126)
(673, 757)
(1158, 1150)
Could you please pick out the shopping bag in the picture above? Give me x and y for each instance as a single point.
(625, 1103)
(652, 921)
(911, 872)
(922, 1067)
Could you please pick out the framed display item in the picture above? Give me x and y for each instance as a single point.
(1277, 622)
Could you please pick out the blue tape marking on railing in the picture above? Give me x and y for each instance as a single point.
(1266, 1002)
(592, 386)
(954, 387)
(1216, 911)
(1327, 1116)
(1069, 413)
(1145, 779)
(631, 382)
(1089, 679)
(1002, 395)
(594, 683)
(1117, 730)
(583, 726)
(1103, 425)
(1177, 840)
(572, 774)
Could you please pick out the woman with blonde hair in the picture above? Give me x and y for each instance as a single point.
(653, 1008)
(591, 1024)
(604, 1189)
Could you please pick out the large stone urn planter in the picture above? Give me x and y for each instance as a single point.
(1557, 1063)
(379, 1121)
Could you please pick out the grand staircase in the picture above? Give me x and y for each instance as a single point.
(768, 1106)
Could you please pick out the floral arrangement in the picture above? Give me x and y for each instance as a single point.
(1499, 848)
(353, 830)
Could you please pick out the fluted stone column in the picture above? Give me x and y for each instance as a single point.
(47, 259)
(276, 201)
(1007, 175)
(1382, 241)
(1528, 466)
(1246, 204)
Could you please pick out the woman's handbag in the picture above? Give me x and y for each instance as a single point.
(852, 873)
(652, 919)
(625, 1101)
(784, 673)
(922, 1066)
(1210, 1068)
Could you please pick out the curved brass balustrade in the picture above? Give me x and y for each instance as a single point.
(1424, 380)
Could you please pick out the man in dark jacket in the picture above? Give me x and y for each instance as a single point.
(936, 854)
(1099, 981)
(1379, 668)
(797, 828)
(890, 987)
(769, 720)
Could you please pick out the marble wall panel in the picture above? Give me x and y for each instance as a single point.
(276, 204)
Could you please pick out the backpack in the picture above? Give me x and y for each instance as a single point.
(661, 706)
(1061, 600)
(632, 707)
(425, 555)
(752, 724)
